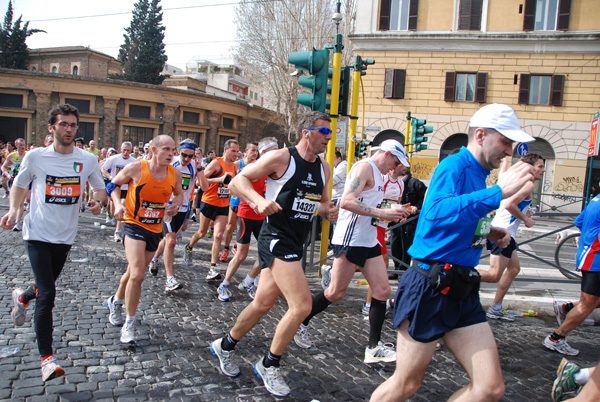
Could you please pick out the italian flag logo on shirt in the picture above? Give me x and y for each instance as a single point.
(77, 167)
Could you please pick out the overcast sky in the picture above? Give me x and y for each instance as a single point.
(201, 28)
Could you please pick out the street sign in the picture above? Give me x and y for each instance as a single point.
(372, 129)
(593, 149)
(341, 134)
(523, 149)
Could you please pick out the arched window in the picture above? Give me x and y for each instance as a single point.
(54, 70)
(75, 70)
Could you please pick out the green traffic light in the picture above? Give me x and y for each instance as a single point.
(316, 62)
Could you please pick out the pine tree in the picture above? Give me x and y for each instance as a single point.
(142, 55)
(13, 49)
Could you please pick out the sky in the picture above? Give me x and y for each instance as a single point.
(193, 28)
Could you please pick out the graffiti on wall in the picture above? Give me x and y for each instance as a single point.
(423, 168)
(569, 184)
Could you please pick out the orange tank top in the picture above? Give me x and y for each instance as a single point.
(145, 202)
(218, 193)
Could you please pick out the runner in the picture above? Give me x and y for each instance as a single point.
(171, 228)
(10, 170)
(152, 183)
(355, 245)
(296, 189)
(438, 297)
(215, 204)
(57, 175)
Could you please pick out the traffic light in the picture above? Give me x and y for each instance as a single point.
(419, 130)
(360, 151)
(344, 90)
(316, 62)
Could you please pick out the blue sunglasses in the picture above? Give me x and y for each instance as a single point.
(322, 130)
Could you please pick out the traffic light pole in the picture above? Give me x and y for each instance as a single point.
(333, 112)
(354, 111)
(408, 138)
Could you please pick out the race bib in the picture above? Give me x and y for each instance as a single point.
(304, 208)
(186, 179)
(62, 190)
(222, 191)
(483, 230)
(151, 213)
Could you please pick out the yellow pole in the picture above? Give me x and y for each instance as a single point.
(354, 112)
(407, 137)
(333, 111)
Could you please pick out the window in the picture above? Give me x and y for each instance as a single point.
(11, 100)
(81, 104)
(33, 69)
(465, 87)
(142, 112)
(228, 123)
(541, 89)
(54, 69)
(222, 140)
(394, 84)
(138, 134)
(546, 15)
(85, 130)
(192, 135)
(191, 117)
(75, 70)
(469, 15)
(398, 15)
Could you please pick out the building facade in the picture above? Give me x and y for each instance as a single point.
(442, 60)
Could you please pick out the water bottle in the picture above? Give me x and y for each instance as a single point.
(167, 218)
(530, 313)
(8, 351)
(362, 282)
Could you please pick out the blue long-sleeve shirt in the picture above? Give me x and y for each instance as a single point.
(589, 223)
(457, 199)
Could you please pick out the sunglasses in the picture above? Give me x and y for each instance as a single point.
(322, 130)
(189, 156)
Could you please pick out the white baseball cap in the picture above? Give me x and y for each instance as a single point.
(396, 149)
(502, 119)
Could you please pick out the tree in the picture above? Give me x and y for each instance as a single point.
(268, 31)
(13, 49)
(143, 53)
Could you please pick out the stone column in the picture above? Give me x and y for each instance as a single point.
(109, 136)
(168, 119)
(214, 122)
(40, 122)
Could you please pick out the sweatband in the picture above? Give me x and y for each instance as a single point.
(110, 187)
(188, 145)
(266, 146)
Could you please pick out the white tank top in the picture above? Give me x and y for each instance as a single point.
(356, 230)
(505, 220)
(392, 193)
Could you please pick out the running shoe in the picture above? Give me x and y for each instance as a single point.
(565, 382)
(272, 378)
(128, 332)
(561, 346)
(153, 267)
(5, 194)
(103, 211)
(325, 276)
(382, 353)
(18, 227)
(209, 232)
(113, 221)
(366, 308)
(172, 284)
(178, 237)
(51, 370)
(223, 292)
(108, 220)
(212, 274)
(117, 237)
(193, 218)
(19, 311)
(559, 311)
(228, 367)
(234, 250)
(224, 255)
(187, 255)
(250, 289)
(301, 338)
(115, 311)
(499, 314)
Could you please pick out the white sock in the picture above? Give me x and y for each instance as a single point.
(248, 280)
(497, 306)
(129, 319)
(169, 277)
(582, 376)
(117, 300)
(225, 282)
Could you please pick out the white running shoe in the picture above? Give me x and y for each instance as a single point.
(212, 274)
(272, 379)
(51, 370)
(187, 255)
(19, 311)
(559, 311)
(228, 367)
(325, 276)
(172, 285)
(117, 238)
(301, 338)
(223, 292)
(250, 289)
(499, 314)
(115, 312)
(561, 346)
(153, 267)
(128, 333)
(382, 353)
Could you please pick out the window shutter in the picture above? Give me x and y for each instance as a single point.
(464, 15)
(481, 87)
(388, 89)
(450, 89)
(529, 18)
(556, 93)
(524, 89)
(469, 18)
(564, 12)
(476, 11)
(399, 84)
(384, 15)
(413, 11)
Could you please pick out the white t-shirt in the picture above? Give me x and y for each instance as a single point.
(115, 164)
(339, 180)
(58, 182)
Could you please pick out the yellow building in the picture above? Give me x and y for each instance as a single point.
(444, 59)
(113, 111)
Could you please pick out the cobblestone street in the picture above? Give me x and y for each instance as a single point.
(172, 360)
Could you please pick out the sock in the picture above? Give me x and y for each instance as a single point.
(368, 305)
(582, 376)
(129, 319)
(248, 280)
(154, 259)
(225, 282)
(568, 307)
(271, 360)
(227, 248)
(117, 300)
(228, 343)
(169, 277)
(319, 303)
(213, 265)
(556, 337)
(497, 306)
(44, 358)
(376, 318)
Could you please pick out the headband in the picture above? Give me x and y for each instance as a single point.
(266, 146)
(188, 145)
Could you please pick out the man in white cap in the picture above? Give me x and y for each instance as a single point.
(438, 296)
(355, 245)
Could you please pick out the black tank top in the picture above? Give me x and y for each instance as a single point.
(298, 192)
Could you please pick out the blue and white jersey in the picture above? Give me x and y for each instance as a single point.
(188, 174)
(504, 219)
